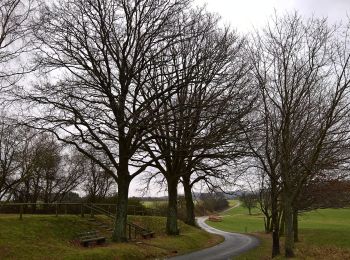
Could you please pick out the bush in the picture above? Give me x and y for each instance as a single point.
(212, 202)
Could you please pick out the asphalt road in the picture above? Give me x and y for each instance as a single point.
(234, 244)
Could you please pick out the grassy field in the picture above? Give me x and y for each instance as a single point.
(153, 203)
(49, 237)
(325, 233)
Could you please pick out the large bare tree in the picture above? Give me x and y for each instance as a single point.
(14, 40)
(99, 54)
(200, 123)
(301, 69)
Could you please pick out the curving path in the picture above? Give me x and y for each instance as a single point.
(235, 206)
(234, 244)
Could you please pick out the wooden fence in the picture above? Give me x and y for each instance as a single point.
(65, 208)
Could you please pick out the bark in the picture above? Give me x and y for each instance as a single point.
(119, 232)
(267, 224)
(295, 225)
(275, 222)
(171, 224)
(288, 221)
(282, 226)
(190, 216)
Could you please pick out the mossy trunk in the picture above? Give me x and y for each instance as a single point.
(119, 232)
(171, 223)
(190, 216)
(288, 222)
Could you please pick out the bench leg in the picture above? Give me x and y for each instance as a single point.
(101, 241)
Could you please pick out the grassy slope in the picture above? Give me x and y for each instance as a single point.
(325, 234)
(48, 237)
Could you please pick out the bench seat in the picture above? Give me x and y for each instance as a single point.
(147, 234)
(91, 237)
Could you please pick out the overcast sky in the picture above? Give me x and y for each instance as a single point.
(244, 15)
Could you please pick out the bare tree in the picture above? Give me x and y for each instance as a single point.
(99, 54)
(14, 40)
(301, 70)
(264, 201)
(16, 149)
(44, 171)
(249, 200)
(215, 174)
(324, 193)
(97, 183)
(199, 125)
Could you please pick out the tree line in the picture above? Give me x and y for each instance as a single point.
(35, 167)
(162, 87)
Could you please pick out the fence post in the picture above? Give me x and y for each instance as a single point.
(135, 210)
(82, 210)
(56, 209)
(21, 212)
(65, 209)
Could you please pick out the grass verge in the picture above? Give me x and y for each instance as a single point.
(324, 233)
(49, 237)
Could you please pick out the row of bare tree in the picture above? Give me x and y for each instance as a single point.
(35, 167)
(162, 87)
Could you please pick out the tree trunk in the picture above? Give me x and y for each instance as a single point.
(288, 222)
(119, 232)
(275, 222)
(171, 223)
(282, 221)
(295, 225)
(190, 216)
(267, 224)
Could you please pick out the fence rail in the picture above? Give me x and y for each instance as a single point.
(64, 208)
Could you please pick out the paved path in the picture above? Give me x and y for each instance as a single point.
(235, 206)
(234, 244)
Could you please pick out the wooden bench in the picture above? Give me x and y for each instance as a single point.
(215, 218)
(143, 232)
(86, 238)
(147, 234)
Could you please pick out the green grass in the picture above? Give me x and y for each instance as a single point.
(326, 226)
(232, 203)
(153, 203)
(324, 234)
(238, 220)
(49, 237)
